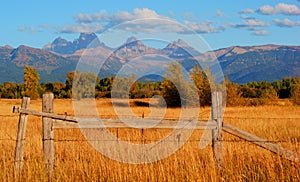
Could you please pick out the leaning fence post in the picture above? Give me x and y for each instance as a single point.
(48, 133)
(217, 133)
(21, 138)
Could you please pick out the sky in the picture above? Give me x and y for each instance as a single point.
(218, 23)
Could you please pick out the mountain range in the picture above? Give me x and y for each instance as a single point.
(240, 63)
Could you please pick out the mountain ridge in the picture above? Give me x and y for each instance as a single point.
(240, 63)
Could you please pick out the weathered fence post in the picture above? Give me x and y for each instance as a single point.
(21, 138)
(48, 134)
(217, 133)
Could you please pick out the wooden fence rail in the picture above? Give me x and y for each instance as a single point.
(273, 147)
(51, 121)
(64, 121)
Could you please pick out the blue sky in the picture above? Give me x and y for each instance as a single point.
(220, 23)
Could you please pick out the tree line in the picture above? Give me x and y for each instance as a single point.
(175, 88)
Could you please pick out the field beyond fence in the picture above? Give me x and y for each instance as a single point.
(76, 160)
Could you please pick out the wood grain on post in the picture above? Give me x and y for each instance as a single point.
(48, 133)
(19, 150)
(217, 133)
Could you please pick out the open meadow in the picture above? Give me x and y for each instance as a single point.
(77, 160)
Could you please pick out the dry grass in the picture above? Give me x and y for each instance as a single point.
(76, 160)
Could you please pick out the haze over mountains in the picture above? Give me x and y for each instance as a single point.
(240, 63)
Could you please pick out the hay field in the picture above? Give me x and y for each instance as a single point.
(77, 160)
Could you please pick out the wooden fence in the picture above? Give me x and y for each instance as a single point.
(50, 121)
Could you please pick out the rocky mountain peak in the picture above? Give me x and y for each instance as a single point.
(87, 36)
(181, 43)
(63, 46)
(133, 41)
(8, 47)
(240, 63)
(133, 48)
(179, 49)
(177, 44)
(22, 49)
(85, 39)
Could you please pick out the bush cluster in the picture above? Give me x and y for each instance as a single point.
(176, 89)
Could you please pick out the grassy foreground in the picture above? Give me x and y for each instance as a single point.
(76, 160)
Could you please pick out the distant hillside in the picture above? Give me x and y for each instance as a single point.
(255, 63)
(240, 63)
(51, 67)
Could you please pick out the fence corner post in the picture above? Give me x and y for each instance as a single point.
(217, 138)
(19, 150)
(48, 134)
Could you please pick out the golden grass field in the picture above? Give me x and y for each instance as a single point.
(76, 160)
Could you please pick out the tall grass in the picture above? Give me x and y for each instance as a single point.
(77, 160)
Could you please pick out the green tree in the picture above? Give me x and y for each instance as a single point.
(177, 90)
(263, 92)
(103, 87)
(296, 93)
(267, 94)
(31, 82)
(122, 86)
(1, 90)
(233, 94)
(145, 89)
(202, 83)
(284, 87)
(82, 84)
(12, 90)
(57, 88)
